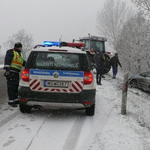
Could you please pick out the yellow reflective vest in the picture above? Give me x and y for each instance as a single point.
(17, 61)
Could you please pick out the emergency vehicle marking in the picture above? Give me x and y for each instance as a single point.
(35, 82)
(76, 87)
(61, 73)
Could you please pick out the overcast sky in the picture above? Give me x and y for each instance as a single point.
(49, 19)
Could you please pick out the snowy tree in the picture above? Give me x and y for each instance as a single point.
(22, 37)
(111, 19)
(133, 45)
(143, 5)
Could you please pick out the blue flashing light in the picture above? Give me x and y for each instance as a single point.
(51, 43)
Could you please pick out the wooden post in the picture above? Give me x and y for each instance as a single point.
(124, 94)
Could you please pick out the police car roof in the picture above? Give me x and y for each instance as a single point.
(59, 49)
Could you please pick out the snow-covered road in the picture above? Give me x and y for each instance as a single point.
(73, 130)
(41, 130)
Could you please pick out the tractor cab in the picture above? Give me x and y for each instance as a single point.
(92, 44)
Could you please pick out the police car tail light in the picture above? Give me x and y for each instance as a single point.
(88, 78)
(23, 100)
(25, 75)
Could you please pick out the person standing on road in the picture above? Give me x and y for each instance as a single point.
(99, 61)
(107, 65)
(12, 65)
(114, 63)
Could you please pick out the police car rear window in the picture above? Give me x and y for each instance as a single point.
(59, 61)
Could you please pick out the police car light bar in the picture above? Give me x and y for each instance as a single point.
(51, 43)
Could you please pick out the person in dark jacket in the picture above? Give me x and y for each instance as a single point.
(99, 61)
(107, 65)
(13, 64)
(114, 63)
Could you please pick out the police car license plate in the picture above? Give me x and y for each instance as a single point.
(50, 83)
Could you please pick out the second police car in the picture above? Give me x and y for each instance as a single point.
(58, 77)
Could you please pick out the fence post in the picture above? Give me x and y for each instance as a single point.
(124, 94)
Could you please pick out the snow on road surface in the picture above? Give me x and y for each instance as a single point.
(73, 130)
(1, 66)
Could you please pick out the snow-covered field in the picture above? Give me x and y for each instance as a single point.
(67, 130)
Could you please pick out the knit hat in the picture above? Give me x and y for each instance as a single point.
(17, 45)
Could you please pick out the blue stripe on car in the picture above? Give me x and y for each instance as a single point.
(61, 73)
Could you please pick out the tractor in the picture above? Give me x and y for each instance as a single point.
(89, 41)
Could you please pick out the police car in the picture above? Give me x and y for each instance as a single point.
(57, 77)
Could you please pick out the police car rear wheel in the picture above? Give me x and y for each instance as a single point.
(25, 108)
(90, 110)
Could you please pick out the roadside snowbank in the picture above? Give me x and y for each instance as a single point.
(130, 131)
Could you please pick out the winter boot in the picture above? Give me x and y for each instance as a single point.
(16, 101)
(103, 76)
(12, 104)
(114, 77)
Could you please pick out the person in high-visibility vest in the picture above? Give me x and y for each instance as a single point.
(13, 64)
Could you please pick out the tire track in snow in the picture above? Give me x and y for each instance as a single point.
(73, 136)
(102, 115)
(36, 134)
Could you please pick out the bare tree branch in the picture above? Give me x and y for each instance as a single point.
(111, 19)
(143, 5)
(133, 44)
(22, 37)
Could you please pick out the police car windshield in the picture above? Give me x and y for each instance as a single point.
(59, 61)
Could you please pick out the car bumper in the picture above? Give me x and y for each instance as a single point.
(57, 100)
(55, 105)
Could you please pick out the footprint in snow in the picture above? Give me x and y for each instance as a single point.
(10, 129)
(11, 140)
